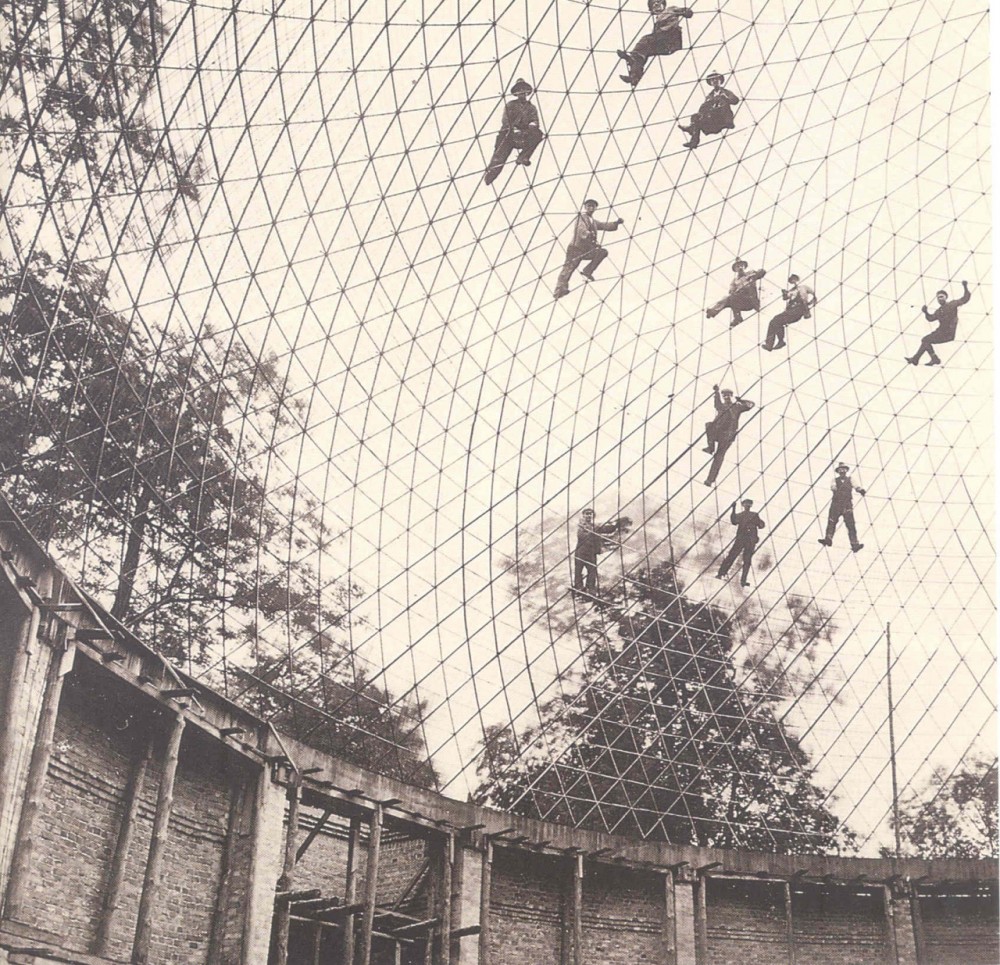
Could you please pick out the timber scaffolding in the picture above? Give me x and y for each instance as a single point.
(145, 818)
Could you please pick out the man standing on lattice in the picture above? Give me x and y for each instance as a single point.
(721, 431)
(667, 38)
(743, 295)
(799, 300)
(589, 542)
(946, 315)
(842, 506)
(518, 130)
(747, 523)
(715, 113)
(583, 246)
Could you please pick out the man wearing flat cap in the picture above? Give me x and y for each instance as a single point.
(842, 506)
(715, 113)
(946, 315)
(583, 246)
(519, 129)
(667, 38)
(743, 295)
(747, 523)
(720, 433)
(799, 300)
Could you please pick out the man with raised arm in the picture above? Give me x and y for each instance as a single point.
(743, 295)
(946, 315)
(721, 431)
(583, 246)
(667, 38)
(518, 129)
(799, 300)
(747, 523)
(842, 507)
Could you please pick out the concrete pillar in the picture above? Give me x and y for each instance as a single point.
(685, 898)
(467, 879)
(266, 862)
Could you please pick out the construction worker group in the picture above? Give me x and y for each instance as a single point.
(520, 131)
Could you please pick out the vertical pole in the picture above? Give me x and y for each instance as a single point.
(317, 944)
(371, 884)
(447, 873)
(892, 739)
(351, 889)
(789, 924)
(37, 771)
(701, 919)
(459, 915)
(891, 956)
(485, 889)
(222, 895)
(157, 846)
(916, 916)
(669, 921)
(283, 913)
(119, 863)
(578, 910)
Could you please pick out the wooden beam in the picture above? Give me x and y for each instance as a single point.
(485, 889)
(413, 882)
(35, 788)
(351, 889)
(317, 944)
(157, 845)
(217, 939)
(119, 863)
(701, 918)
(789, 924)
(890, 924)
(283, 909)
(371, 884)
(311, 836)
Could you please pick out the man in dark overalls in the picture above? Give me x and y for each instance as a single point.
(721, 431)
(842, 506)
(518, 129)
(590, 542)
(715, 113)
(946, 315)
(667, 38)
(747, 523)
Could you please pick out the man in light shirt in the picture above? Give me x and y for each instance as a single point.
(583, 246)
(799, 299)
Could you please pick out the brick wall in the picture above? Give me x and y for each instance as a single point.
(526, 907)
(839, 926)
(623, 914)
(747, 922)
(960, 927)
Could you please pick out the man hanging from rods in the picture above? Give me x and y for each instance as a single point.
(518, 130)
(743, 294)
(714, 115)
(799, 300)
(584, 247)
(946, 315)
(667, 38)
(589, 543)
(720, 433)
(747, 523)
(842, 507)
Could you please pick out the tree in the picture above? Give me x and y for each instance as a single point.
(658, 737)
(142, 459)
(954, 815)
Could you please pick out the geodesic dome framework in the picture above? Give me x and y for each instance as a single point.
(288, 388)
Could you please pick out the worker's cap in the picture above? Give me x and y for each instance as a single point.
(651, 4)
(590, 201)
(793, 277)
(727, 391)
(941, 292)
(588, 512)
(746, 502)
(713, 77)
(739, 263)
(521, 86)
(843, 466)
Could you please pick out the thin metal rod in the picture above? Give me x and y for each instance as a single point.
(892, 737)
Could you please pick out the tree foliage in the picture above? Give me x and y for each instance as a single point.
(659, 735)
(954, 815)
